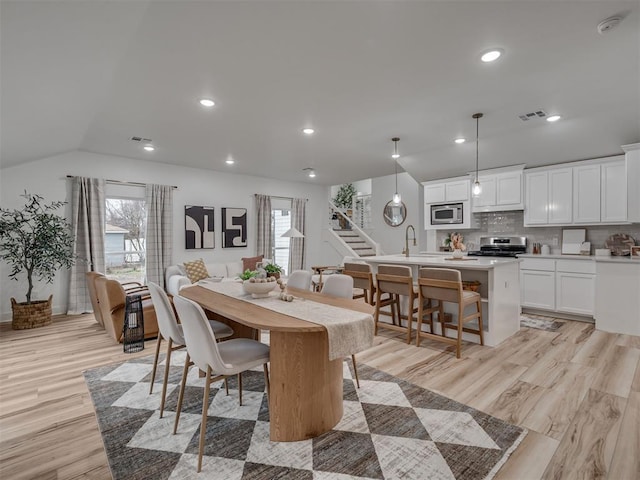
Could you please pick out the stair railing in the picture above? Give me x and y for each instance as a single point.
(333, 209)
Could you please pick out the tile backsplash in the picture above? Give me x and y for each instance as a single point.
(511, 224)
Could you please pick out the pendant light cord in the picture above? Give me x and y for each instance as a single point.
(396, 176)
(477, 142)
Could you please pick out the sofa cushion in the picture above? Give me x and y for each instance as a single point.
(196, 270)
(234, 269)
(249, 263)
(217, 269)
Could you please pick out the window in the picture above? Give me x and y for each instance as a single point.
(125, 233)
(280, 223)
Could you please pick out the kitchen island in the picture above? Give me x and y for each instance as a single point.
(499, 289)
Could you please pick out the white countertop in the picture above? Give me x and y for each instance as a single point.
(439, 260)
(594, 258)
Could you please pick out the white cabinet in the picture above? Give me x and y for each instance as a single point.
(500, 191)
(548, 197)
(588, 193)
(566, 286)
(537, 283)
(614, 192)
(447, 191)
(560, 196)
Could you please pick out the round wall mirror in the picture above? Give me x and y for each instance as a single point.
(394, 213)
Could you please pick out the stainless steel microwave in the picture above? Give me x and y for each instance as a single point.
(449, 214)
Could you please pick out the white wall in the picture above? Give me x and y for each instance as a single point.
(47, 177)
(392, 239)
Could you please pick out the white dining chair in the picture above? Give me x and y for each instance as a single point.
(171, 331)
(220, 359)
(300, 279)
(338, 285)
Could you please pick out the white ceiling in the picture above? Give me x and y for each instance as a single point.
(89, 75)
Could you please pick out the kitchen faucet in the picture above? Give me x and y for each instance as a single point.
(406, 239)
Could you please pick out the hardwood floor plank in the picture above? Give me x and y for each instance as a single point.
(617, 371)
(530, 459)
(626, 458)
(586, 450)
(48, 426)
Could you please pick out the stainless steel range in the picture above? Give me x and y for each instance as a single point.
(500, 247)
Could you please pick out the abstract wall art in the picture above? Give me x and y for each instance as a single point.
(198, 227)
(234, 227)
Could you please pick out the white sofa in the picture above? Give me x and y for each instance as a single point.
(175, 279)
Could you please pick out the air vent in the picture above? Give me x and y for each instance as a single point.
(525, 117)
(140, 139)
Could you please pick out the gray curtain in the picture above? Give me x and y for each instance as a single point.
(159, 202)
(87, 224)
(265, 234)
(297, 247)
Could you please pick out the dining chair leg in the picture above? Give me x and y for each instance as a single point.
(409, 321)
(226, 385)
(267, 384)
(185, 372)
(203, 422)
(377, 314)
(155, 363)
(240, 388)
(420, 314)
(166, 376)
(459, 342)
(355, 369)
(441, 319)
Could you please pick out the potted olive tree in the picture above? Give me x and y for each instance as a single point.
(35, 242)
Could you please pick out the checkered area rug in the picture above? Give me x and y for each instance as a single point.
(390, 429)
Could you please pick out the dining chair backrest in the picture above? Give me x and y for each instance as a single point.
(167, 322)
(394, 279)
(441, 284)
(338, 285)
(199, 338)
(299, 279)
(361, 274)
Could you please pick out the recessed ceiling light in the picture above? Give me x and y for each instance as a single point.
(229, 161)
(308, 131)
(311, 173)
(553, 118)
(460, 140)
(206, 102)
(149, 148)
(491, 55)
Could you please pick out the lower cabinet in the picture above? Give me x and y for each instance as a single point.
(566, 286)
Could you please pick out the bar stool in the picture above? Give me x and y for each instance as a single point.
(445, 285)
(395, 280)
(362, 279)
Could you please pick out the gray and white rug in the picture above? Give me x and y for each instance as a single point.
(540, 322)
(390, 429)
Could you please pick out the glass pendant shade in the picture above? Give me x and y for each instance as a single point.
(477, 188)
(397, 199)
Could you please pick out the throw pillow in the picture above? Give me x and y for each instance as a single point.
(196, 270)
(249, 263)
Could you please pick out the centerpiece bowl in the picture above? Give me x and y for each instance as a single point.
(258, 289)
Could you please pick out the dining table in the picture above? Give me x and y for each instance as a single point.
(305, 396)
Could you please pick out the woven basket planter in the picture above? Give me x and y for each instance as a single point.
(32, 315)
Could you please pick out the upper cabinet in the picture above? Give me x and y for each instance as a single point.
(587, 193)
(501, 190)
(447, 191)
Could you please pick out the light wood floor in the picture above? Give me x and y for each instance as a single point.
(576, 390)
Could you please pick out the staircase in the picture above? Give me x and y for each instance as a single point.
(355, 242)
(348, 239)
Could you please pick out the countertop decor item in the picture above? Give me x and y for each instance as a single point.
(603, 252)
(620, 244)
(572, 240)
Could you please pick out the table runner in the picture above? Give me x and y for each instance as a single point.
(348, 331)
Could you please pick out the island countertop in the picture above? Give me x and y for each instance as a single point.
(471, 263)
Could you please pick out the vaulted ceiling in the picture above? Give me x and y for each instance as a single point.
(90, 75)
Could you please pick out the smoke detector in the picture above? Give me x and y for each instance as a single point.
(609, 24)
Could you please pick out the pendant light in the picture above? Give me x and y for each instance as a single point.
(397, 199)
(477, 188)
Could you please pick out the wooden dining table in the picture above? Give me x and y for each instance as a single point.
(305, 386)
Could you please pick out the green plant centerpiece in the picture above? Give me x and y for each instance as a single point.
(34, 242)
(247, 274)
(273, 270)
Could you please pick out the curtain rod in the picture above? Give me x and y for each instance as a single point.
(122, 182)
(276, 196)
